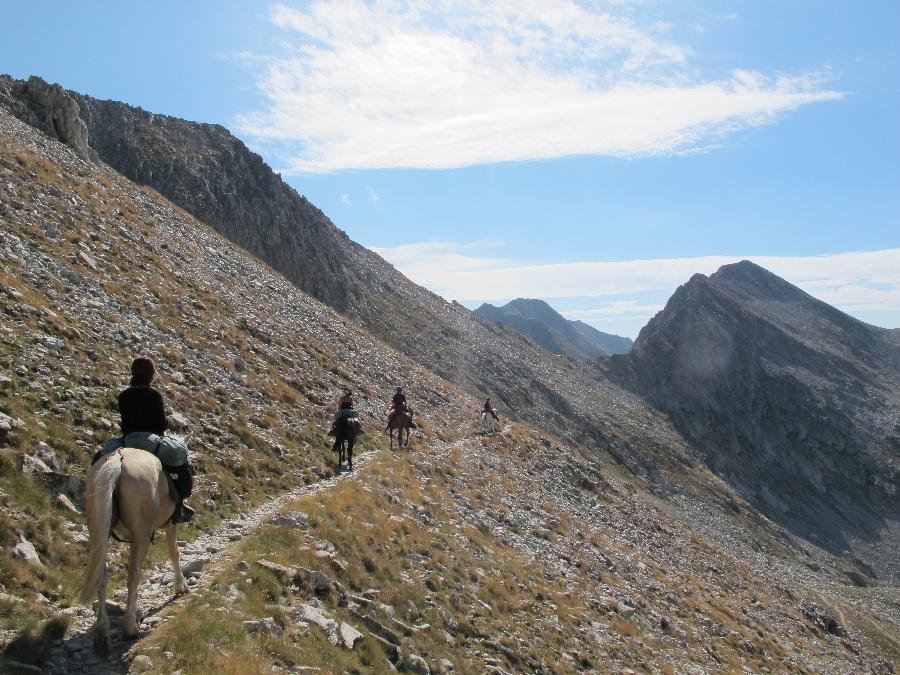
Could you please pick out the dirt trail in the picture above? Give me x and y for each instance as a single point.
(200, 560)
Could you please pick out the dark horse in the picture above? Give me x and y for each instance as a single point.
(346, 430)
(401, 420)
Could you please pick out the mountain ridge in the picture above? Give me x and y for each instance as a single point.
(538, 321)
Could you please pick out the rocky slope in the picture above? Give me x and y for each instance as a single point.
(97, 269)
(543, 324)
(796, 404)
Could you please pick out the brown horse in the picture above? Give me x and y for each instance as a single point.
(127, 490)
(400, 421)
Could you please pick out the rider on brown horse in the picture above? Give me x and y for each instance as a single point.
(398, 405)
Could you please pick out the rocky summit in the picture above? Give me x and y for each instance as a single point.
(619, 519)
(794, 403)
(543, 324)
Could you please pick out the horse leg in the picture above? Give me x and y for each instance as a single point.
(102, 643)
(175, 557)
(139, 547)
(391, 433)
(350, 443)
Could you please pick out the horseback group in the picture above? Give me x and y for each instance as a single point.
(139, 482)
(346, 425)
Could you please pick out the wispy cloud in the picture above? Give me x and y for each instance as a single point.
(397, 83)
(628, 293)
(345, 198)
(373, 196)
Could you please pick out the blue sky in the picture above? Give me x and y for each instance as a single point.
(594, 154)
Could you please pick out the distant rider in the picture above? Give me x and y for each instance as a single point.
(142, 410)
(398, 405)
(344, 413)
(489, 409)
(345, 402)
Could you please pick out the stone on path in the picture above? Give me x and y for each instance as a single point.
(195, 566)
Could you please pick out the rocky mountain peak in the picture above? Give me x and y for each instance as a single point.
(792, 401)
(47, 107)
(547, 327)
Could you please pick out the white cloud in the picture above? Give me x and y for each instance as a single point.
(373, 196)
(345, 198)
(866, 284)
(397, 83)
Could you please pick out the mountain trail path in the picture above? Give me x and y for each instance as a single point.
(200, 560)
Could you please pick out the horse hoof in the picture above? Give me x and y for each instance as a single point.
(102, 644)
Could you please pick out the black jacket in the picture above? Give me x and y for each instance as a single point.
(142, 409)
(399, 400)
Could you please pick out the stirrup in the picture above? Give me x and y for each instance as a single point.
(183, 513)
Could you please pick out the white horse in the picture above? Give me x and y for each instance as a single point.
(488, 423)
(126, 490)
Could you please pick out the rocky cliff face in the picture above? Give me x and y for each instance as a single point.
(47, 107)
(543, 324)
(795, 403)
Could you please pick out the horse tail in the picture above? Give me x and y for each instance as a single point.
(100, 494)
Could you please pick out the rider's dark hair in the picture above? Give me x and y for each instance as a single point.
(142, 371)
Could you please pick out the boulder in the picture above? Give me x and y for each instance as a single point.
(418, 665)
(328, 625)
(25, 550)
(294, 520)
(66, 503)
(35, 465)
(195, 565)
(317, 581)
(177, 421)
(349, 635)
(46, 453)
(282, 571)
(141, 664)
(7, 424)
(264, 626)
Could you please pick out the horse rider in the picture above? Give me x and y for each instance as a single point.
(141, 408)
(345, 411)
(398, 405)
(489, 409)
(345, 402)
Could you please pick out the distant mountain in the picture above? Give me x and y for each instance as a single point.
(543, 324)
(795, 403)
